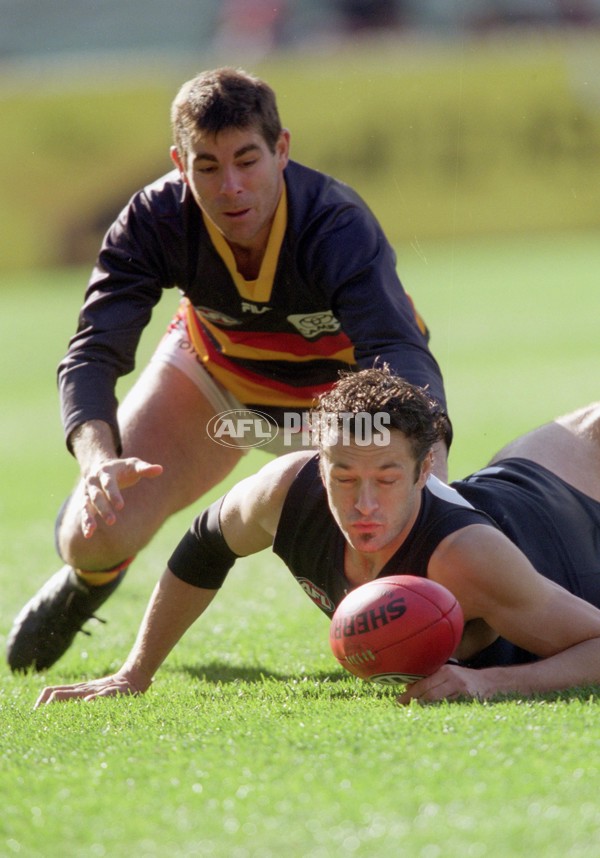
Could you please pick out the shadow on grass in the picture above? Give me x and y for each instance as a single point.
(220, 672)
(332, 684)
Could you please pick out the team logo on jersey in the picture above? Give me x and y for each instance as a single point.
(319, 596)
(248, 307)
(217, 317)
(315, 324)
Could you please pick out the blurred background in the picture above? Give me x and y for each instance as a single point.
(451, 117)
(471, 128)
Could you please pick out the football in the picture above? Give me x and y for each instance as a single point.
(396, 629)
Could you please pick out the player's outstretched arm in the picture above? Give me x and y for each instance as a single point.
(249, 517)
(575, 667)
(498, 587)
(172, 609)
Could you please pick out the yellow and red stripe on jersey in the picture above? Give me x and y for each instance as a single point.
(252, 387)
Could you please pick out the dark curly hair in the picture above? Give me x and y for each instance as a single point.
(376, 391)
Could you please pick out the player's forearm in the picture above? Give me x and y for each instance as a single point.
(93, 443)
(172, 609)
(578, 665)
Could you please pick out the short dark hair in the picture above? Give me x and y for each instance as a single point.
(410, 409)
(220, 99)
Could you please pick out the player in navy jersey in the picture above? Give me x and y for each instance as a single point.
(516, 543)
(286, 278)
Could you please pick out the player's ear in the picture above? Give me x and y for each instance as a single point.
(176, 159)
(282, 148)
(426, 469)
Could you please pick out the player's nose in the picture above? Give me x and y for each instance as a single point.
(230, 182)
(366, 499)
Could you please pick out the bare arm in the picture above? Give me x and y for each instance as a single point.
(172, 609)
(249, 517)
(494, 582)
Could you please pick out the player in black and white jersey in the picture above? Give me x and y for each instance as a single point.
(516, 543)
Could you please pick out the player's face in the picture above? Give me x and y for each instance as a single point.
(237, 182)
(373, 492)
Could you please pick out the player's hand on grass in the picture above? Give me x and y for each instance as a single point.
(450, 682)
(108, 686)
(102, 489)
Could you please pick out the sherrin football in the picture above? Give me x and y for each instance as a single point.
(396, 629)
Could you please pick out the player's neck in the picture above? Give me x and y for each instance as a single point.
(361, 567)
(248, 260)
(249, 257)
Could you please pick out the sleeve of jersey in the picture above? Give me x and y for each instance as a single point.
(125, 286)
(203, 558)
(357, 264)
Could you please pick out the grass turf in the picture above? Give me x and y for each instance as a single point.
(252, 741)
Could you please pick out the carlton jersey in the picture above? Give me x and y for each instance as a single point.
(556, 527)
(327, 298)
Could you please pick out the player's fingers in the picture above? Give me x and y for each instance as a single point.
(83, 691)
(430, 689)
(102, 495)
(136, 469)
(109, 485)
(88, 519)
(42, 698)
(447, 683)
(52, 693)
(411, 692)
(146, 469)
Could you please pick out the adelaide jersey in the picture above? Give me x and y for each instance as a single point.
(327, 298)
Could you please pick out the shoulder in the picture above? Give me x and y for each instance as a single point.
(155, 229)
(164, 195)
(276, 478)
(260, 497)
(312, 194)
(161, 200)
(480, 565)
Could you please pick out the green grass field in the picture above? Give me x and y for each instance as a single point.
(252, 741)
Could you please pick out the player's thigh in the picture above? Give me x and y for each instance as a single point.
(164, 419)
(569, 447)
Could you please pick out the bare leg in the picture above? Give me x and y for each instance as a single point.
(163, 420)
(569, 446)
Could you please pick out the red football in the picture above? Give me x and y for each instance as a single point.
(396, 629)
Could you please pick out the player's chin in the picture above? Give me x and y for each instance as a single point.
(367, 540)
(365, 546)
